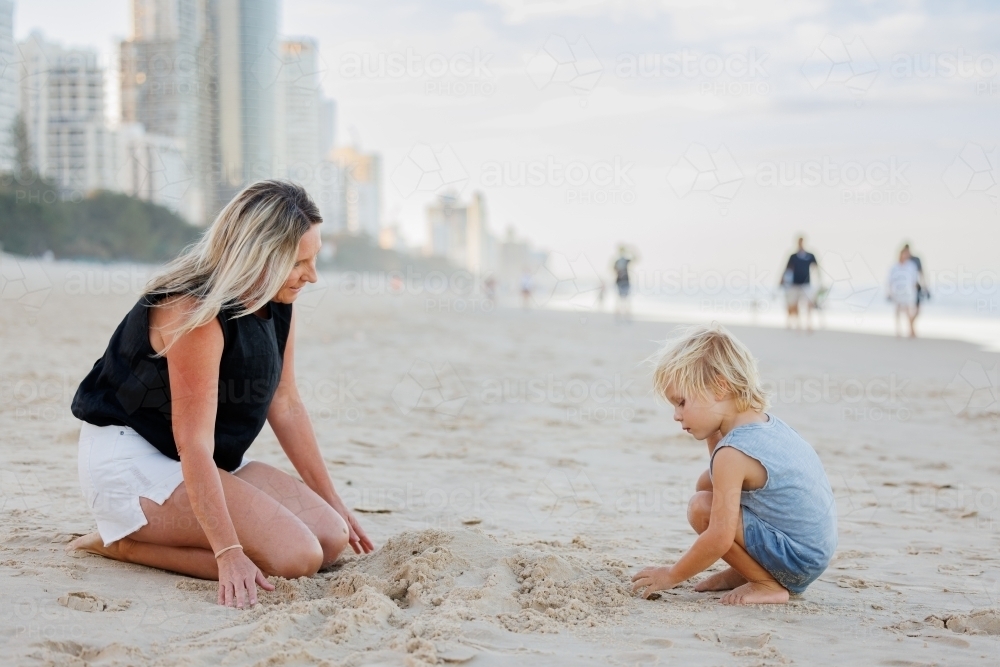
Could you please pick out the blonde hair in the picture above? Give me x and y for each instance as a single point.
(707, 360)
(244, 257)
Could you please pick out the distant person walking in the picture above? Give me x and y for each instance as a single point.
(623, 310)
(797, 283)
(527, 287)
(923, 294)
(904, 282)
(490, 289)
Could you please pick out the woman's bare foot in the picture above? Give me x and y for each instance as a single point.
(93, 543)
(726, 580)
(762, 592)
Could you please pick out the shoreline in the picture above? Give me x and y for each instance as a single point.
(982, 331)
(76, 278)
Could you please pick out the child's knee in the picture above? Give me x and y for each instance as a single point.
(704, 482)
(700, 510)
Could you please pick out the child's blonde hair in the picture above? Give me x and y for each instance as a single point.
(707, 360)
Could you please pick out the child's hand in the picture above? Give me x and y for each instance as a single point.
(653, 579)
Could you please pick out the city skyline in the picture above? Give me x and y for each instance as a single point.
(210, 99)
(916, 122)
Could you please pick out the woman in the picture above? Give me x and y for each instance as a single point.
(188, 378)
(904, 279)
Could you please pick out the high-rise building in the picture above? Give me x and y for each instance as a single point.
(351, 198)
(304, 133)
(62, 103)
(8, 86)
(327, 124)
(458, 233)
(153, 167)
(515, 257)
(167, 88)
(208, 74)
(298, 124)
(247, 65)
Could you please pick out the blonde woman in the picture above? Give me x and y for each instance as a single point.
(187, 381)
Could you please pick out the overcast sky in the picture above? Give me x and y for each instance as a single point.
(886, 111)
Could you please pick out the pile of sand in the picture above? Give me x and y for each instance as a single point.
(415, 595)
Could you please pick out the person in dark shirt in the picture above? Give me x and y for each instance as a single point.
(186, 384)
(797, 283)
(623, 283)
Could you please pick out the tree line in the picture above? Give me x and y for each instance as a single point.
(37, 217)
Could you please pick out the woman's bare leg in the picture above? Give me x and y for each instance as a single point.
(321, 519)
(192, 561)
(757, 586)
(273, 537)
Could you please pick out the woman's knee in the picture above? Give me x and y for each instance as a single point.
(700, 510)
(334, 536)
(301, 557)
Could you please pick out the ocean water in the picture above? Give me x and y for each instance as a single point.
(972, 316)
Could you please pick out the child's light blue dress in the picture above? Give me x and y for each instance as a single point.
(789, 524)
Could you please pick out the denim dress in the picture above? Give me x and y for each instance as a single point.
(790, 523)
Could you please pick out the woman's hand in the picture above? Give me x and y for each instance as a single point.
(653, 579)
(238, 580)
(359, 540)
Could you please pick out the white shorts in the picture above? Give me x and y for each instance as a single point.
(117, 467)
(794, 294)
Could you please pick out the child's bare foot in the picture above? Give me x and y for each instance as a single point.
(726, 580)
(763, 592)
(93, 543)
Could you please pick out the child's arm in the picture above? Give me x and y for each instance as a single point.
(729, 470)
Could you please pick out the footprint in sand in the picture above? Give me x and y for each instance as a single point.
(960, 570)
(982, 622)
(851, 565)
(635, 658)
(658, 642)
(850, 560)
(84, 601)
(747, 641)
(735, 641)
(948, 641)
(119, 653)
(917, 549)
(852, 582)
(910, 628)
(455, 653)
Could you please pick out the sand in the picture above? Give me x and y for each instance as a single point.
(515, 469)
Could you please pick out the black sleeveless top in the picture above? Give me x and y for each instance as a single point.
(130, 385)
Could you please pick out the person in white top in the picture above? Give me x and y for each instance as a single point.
(903, 280)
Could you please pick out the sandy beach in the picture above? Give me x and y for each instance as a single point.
(514, 469)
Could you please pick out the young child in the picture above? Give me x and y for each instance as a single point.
(764, 505)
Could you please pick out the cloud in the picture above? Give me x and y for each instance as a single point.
(690, 16)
